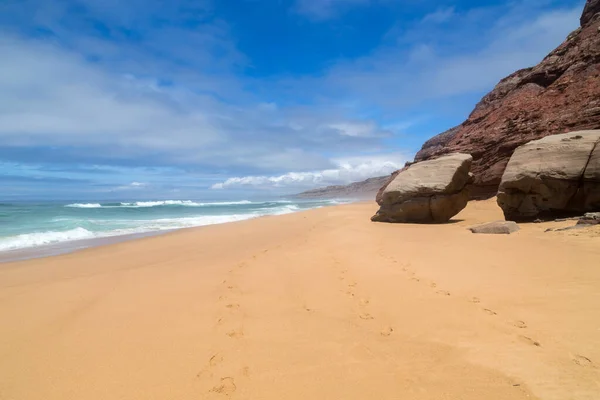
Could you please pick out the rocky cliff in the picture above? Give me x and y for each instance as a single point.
(560, 94)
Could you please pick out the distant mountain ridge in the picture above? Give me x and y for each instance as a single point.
(358, 190)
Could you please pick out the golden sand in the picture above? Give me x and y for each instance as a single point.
(321, 304)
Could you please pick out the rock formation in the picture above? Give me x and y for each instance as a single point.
(560, 94)
(554, 176)
(429, 191)
(589, 219)
(592, 7)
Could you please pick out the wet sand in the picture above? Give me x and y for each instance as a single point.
(321, 304)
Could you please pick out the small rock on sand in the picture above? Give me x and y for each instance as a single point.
(498, 227)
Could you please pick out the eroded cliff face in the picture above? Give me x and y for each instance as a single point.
(560, 94)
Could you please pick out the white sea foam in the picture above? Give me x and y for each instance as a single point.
(228, 203)
(84, 205)
(339, 201)
(159, 203)
(41, 238)
(188, 203)
(287, 209)
(91, 226)
(35, 239)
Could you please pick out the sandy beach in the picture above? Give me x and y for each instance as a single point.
(322, 304)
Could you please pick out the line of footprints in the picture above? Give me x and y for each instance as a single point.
(362, 303)
(577, 359)
(230, 323)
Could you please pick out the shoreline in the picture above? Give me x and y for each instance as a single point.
(322, 303)
(71, 246)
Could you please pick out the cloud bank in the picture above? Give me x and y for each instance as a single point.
(346, 171)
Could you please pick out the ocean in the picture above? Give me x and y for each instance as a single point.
(62, 225)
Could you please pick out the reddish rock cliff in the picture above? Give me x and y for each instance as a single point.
(560, 94)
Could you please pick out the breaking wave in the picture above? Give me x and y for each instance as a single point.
(159, 203)
(28, 240)
(50, 223)
(84, 205)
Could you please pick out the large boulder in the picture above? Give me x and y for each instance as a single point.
(555, 176)
(426, 192)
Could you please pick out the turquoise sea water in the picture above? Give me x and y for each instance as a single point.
(29, 225)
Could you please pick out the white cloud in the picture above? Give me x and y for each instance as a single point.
(50, 96)
(325, 9)
(440, 15)
(427, 62)
(135, 186)
(347, 170)
(356, 129)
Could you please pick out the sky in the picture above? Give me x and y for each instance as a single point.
(220, 99)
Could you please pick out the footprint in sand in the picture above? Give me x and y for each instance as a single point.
(365, 316)
(226, 387)
(489, 312)
(582, 361)
(236, 333)
(475, 300)
(529, 340)
(520, 324)
(443, 292)
(215, 360)
(233, 306)
(433, 284)
(364, 302)
(386, 331)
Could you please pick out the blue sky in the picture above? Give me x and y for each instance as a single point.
(228, 99)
